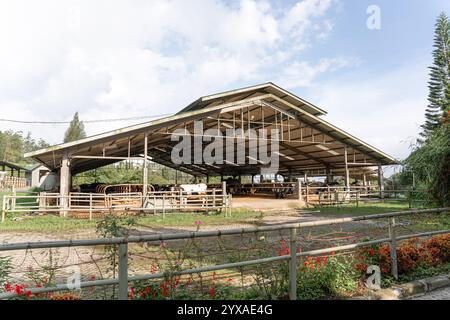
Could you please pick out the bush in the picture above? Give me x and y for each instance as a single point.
(411, 255)
(324, 276)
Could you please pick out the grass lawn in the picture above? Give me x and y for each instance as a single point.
(52, 223)
(351, 210)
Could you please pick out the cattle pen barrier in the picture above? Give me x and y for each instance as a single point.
(124, 279)
(94, 204)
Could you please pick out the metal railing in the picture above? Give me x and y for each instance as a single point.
(123, 278)
(95, 203)
(335, 196)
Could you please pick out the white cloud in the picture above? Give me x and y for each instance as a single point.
(110, 59)
(303, 73)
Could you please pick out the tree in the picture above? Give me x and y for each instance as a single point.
(430, 159)
(439, 84)
(75, 130)
(430, 162)
(13, 145)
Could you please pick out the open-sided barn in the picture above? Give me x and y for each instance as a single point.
(306, 144)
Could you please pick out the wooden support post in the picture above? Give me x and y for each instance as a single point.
(365, 182)
(347, 173)
(90, 206)
(214, 198)
(64, 185)
(381, 181)
(224, 195)
(299, 189)
(13, 199)
(164, 206)
(357, 198)
(329, 179)
(145, 173)
(307, 194)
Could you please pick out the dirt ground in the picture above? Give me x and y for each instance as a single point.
(265, 203)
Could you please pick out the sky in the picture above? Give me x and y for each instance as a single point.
(136, 58)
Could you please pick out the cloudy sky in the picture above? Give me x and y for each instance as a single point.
(114, 59)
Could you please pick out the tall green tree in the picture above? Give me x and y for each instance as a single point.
(13, 145)
(430, 161)
(439, 84)
(75, 130)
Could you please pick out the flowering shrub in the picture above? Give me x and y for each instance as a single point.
(325, 276)
(411, 255)
(178, 288)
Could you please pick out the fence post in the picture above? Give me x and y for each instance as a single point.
(181, 198)
(13, 199)
(164, 206)
(214, 199)
(357, 198)
(394, 268)
(123, 272)
(90, 206)
(3, 208)
(293, 265)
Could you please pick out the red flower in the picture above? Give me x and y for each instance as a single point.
(212, 291)
(311, 266)
(8, 287)
(324, 259)
(28, 293)
(165, 288)
(305, 263)
(19, 290)
(371, 251)
(132, 292)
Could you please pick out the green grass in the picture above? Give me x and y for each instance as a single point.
(363, 209)
(52, 223)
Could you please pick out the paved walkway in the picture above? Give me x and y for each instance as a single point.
(441, 294)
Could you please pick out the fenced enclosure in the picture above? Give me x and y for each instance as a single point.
(268, 258)
(10, 182)
(324, 196)
(90, 205)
